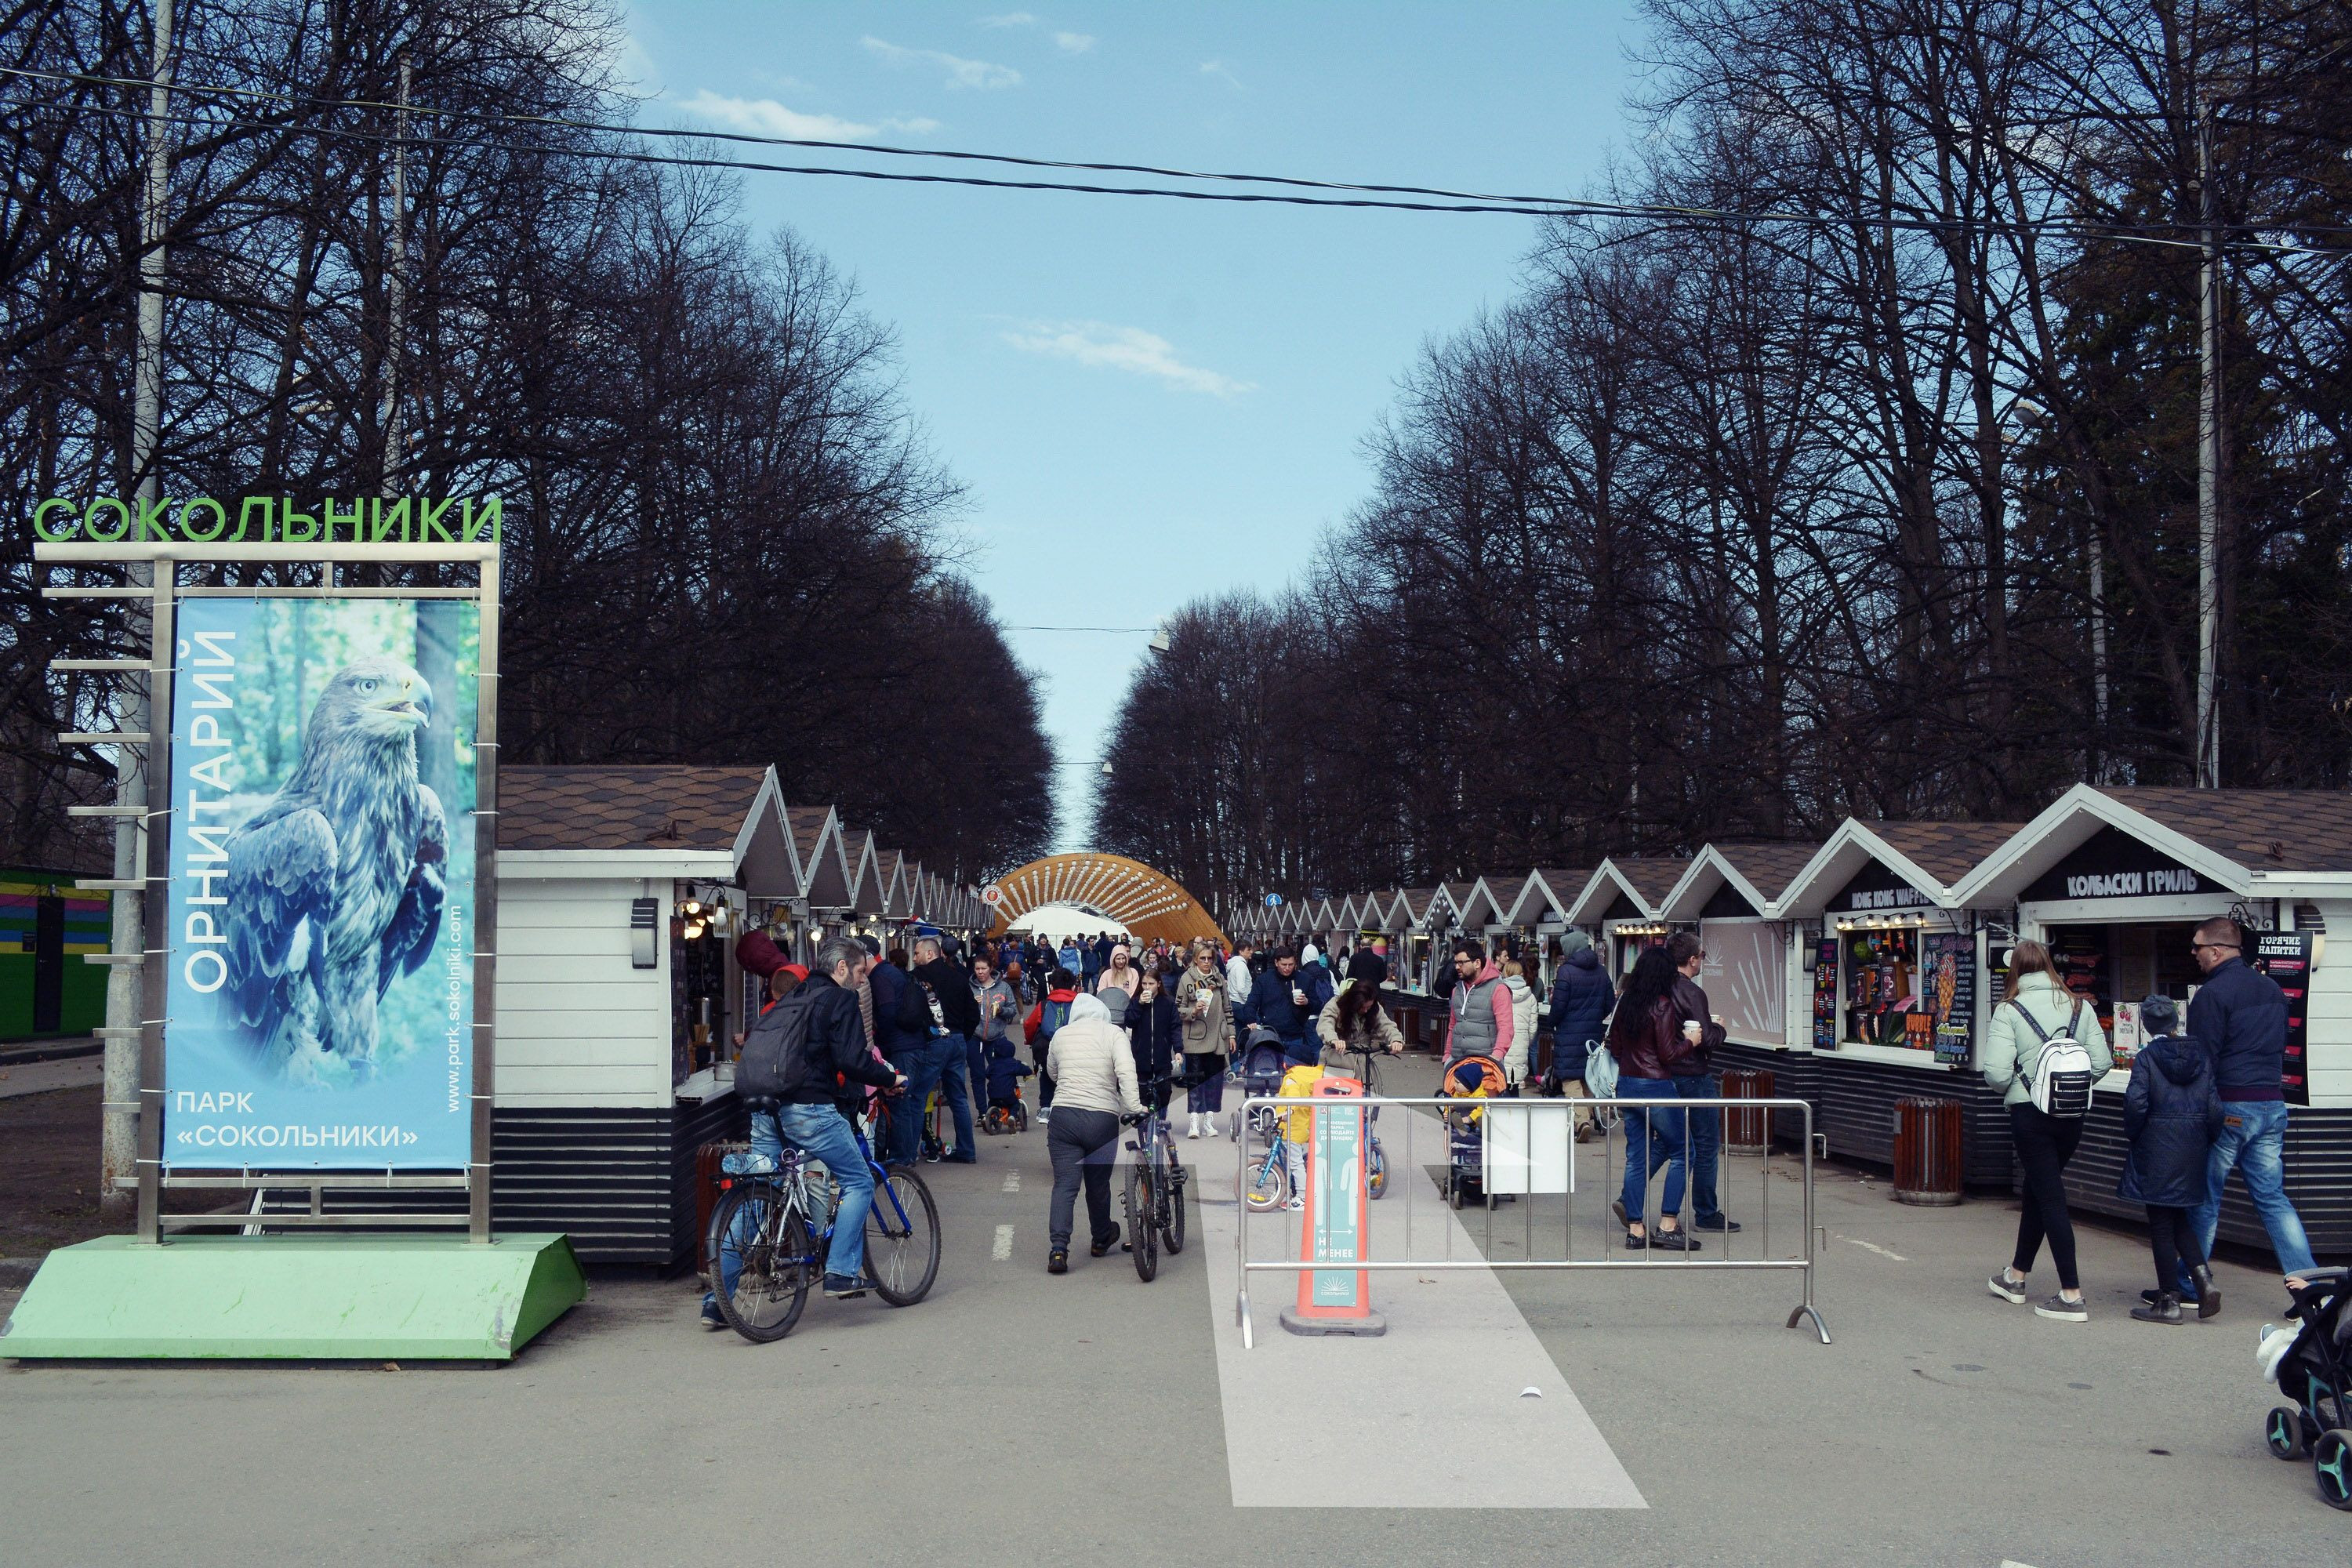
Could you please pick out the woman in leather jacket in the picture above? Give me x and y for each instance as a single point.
(1647, 1037)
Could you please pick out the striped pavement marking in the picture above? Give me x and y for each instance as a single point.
(1432, 1415)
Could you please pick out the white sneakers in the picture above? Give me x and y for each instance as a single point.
(1193, 1127)
(1209, 1121)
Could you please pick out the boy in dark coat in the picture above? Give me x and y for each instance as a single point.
(1005, 1071)
(2171, 1116)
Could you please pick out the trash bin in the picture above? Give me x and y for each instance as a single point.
(1746, 1131)
(1409, 1025)
(705, 1192)
(1928, 1158)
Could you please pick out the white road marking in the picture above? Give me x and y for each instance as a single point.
(1303, 1416)
(1002, 1250)
(1869, 1246)
(1012, 1181)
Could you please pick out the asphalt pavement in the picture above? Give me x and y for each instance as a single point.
(1016, 1418)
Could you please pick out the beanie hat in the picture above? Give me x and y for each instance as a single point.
(758, 954)
(2160, 1014)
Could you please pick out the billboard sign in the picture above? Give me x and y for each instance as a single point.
(320, 992)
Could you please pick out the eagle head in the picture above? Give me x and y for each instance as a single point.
(379, 699)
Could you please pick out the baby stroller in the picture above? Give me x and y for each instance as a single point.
(1261, 1068)
(1471, 1078)
(2309, 1366)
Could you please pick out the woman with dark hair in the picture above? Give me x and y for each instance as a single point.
(1155, 1036)
(1652, 1046)
(1354, 1022)
(2038, 1008)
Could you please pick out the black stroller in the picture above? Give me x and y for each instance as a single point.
(1261, 1068)
(2311, 1371)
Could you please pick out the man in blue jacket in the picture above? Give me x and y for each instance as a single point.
(2239, 1017)
(1286, 1000)
(907, 1045)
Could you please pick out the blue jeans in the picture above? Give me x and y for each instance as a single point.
(922, 1065)
(821, 1130)
(2253, 1140)
(1653, 1138)
(1705, 1133)
(957, 1053)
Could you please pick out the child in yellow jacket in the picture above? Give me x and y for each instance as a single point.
(1297, 1127)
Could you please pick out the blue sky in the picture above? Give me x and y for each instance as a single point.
(1152, 400)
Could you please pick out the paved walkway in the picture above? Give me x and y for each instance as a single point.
(39, 1078)
(1018, 1419)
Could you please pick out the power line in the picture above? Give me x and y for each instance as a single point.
(1447, 201)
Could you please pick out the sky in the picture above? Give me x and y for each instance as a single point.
(1153, 400)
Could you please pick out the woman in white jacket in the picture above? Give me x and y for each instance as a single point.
(1092, 1068)
(2037, 1008)
(1523, 1024)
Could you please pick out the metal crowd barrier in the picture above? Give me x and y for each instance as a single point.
(1407, 1176)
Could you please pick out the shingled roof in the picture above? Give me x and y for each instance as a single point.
(1653, 878)
(1770, 866)
(1947, 851)
(650, 808)
(2279, 829)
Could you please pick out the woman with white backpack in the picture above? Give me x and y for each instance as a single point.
(2044, 1051)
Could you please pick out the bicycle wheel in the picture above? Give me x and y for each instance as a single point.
(1172, 1232)
(1268, 1183)
(902, 1237)
(1142, 1236)
(1376, 1171)
(770, 1243)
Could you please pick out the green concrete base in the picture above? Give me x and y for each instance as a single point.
(295, 1298)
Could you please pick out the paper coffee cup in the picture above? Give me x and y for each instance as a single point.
(1692, 1031)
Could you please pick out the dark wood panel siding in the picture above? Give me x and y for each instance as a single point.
(619, 1183)
(1853, 1103)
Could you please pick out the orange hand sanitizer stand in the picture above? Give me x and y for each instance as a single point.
(1336, 1227)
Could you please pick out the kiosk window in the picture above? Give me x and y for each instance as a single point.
(1881, 989)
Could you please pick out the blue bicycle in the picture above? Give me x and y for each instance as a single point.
(771, 1229)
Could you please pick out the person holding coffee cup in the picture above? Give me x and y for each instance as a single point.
(1286, 1000)
(1652, 1041)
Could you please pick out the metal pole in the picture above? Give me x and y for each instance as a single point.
(118, 1130)
(155, 969)
(2209, 469)
(486, 907)
(395, 292)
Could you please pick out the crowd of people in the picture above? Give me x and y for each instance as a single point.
(1112, 1028)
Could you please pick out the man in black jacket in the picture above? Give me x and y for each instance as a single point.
(948, 988)
(1706, 1124)
(825, 1053)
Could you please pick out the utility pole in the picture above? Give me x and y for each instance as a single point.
(2209, 466)
(395, 290)
(118, 1127)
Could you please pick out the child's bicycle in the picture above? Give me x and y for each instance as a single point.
(773, 1227)
(1013, 1118)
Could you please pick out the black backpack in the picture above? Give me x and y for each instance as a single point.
(775, 1053)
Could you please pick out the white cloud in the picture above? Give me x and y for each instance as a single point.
(1009, 19)
(1074, 43)
(1217, 69)
(1129, 349)
(766, 117)
(961, 72)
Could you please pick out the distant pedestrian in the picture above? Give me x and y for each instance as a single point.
(2172, 1117)
(1208, 1024)
(1241, 976)
(955, 1023)
(1368, 966)
(1704, 1123)
(1478, 1009)
(2239, 1017)
(1523, 1025)
(1652, 1048)
(1582, 997)
(1050, 1013)
(1118, 982)
(2039, 1009)
(1286, 1002)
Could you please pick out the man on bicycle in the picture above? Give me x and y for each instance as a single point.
(825, 1054)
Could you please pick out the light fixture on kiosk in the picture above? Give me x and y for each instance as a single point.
(1906, 922)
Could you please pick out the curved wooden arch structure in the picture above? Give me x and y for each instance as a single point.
(1127, 891)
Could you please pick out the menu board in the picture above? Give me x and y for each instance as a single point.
(2286, 957)
(1948, 989)
(1825, 995)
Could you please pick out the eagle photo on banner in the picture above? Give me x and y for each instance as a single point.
(335, 887)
